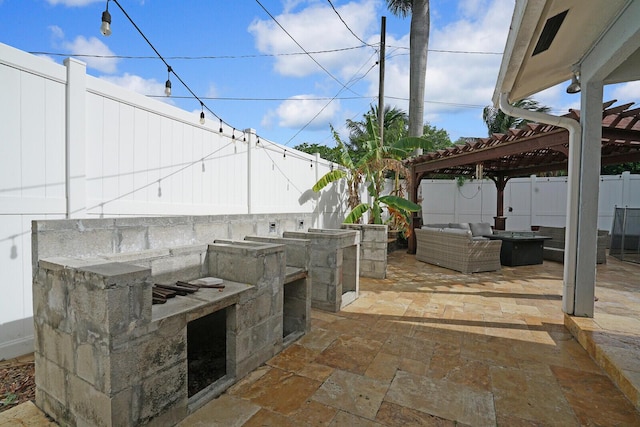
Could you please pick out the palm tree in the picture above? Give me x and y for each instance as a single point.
(418, 46)
(499, 122)
(395, 127)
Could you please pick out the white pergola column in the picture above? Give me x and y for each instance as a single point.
(582, 224)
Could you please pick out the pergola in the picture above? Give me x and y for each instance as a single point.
(537, 148)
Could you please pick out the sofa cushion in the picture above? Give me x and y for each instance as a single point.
(457, 231)
(480, 229)
(435, 225)
(460, 225)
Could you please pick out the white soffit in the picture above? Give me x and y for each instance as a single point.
(522, 73)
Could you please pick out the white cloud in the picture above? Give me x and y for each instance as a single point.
(93, 46)
(139, 85)
(298, 111)
(627, 92)
(455, 81)
(212, 91)
(87, 46)
(56, 32)
(316, 28)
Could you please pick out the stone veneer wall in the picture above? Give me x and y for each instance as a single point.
(106, 357)
(373, 249)
(84, 238)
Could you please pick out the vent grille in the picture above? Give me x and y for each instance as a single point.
(549, 32)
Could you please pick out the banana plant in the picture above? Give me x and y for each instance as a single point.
(372, 168)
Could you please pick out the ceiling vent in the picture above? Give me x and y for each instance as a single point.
(549, 32)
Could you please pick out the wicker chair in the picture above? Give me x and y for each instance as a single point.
(457, 249)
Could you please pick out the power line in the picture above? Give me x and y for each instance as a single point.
(467, 52)
(169, 68)
(321, 98)
(303, 49)
(352, 82)
(198, 58)
(345, 24)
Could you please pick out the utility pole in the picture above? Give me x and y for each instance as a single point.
(383, 30)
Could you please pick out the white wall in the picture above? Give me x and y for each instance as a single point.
(74, 146)
(533, 200)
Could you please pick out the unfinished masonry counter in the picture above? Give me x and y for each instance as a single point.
(106, 357)
(334, 266)
(297, 285)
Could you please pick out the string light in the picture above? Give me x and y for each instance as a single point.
(233, 135)
(311, 162)
(159, 189)
(105, 28)
(167, 85)
(284, 155)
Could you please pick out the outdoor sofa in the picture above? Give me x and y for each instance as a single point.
(458, 246)
(554, 248)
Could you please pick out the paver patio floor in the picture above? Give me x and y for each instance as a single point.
(430, 346)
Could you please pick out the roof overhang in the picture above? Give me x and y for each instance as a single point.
(550, 39)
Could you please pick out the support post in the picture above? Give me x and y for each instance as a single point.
(583, 234)
(250, 141)
(500, 220)
(383, 30)
(416, 219)
(75, 139)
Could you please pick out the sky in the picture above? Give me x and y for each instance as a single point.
(287, 68)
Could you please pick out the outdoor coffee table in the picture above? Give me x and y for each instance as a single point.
(520, 247)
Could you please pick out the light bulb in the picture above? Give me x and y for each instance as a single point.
(202, 117)
(105, 28)
(167, 88)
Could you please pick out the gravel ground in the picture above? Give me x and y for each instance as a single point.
(17, 384)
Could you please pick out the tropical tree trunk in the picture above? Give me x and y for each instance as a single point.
(418, 46)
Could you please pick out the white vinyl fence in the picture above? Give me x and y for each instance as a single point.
(527, 201)
(74, 146)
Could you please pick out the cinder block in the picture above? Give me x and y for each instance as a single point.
(163, 391)
(88, 405)
(51, 378)
(131, 239)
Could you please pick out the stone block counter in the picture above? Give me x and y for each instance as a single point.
(105, 356)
